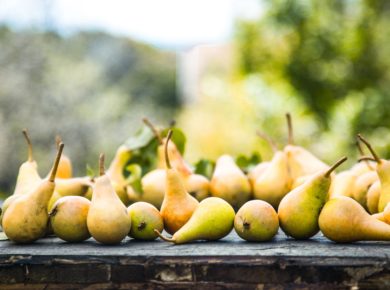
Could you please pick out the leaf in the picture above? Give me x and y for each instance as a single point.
(178, 137)
(134, 176)
(90, 171)
(3, 237)
(141, 138)
(205, 167)
(248, 162)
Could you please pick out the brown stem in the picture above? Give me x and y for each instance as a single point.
(164, 238)
(56, 162)
(29, 144)
(290, 129)
(101, 164)
(334, 166)
(167, 162)
(154, 130)
(376, 157)
(268, 140)
(361, 152)
(58, 140)
(366, 159)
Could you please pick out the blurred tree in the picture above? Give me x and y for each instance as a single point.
(324, 52)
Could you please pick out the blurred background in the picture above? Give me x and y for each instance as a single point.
(90, 70)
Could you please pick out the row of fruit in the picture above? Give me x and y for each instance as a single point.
(307, 194)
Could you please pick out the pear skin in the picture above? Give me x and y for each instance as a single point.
(107, 220)
(275, 182)
(344, 220)
(197, 185)
(212, 220)
(153, 187)
(178, 205)
(361, 186)
(256, 172)
(145, 218)
(256, 221)
(299, 209)
(342, 184)
(68, 218)
(65, 169)
(373, 195)
(230, 183)
(383, 216)
(26, 218)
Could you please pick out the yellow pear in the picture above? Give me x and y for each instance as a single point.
(299, 209)
(108, 221)
(361, 186)
(26, 218)
(383, 216)
(383, 171)
(65, 167)
(178, 205)
(197, 185)
(373, 195)
(212, 220)
(300, 161)
(256, 172)
(68, 218)
(230, 183)
(342, 184)
(344, 220)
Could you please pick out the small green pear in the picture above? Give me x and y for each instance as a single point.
(256, 221)
(145, 218)
(299, 209)
(212, 220)
(68, 218)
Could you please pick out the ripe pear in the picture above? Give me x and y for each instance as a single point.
(383, 216)
(65, 167)
(230, 183)
(197, 185)
(212, 220)
(383, 171)
(299, 209)
(178, 205)
(373, 194)
(145, 218)
(342, 184)
(115, 173)
(300, 161)
(26, 218)
(361, 186)
(68, 218)
(344, 220)
(256, 172)
(256, 221)
(153, 187)
(107, 221)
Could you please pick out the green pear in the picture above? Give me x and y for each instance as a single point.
(229, 182)
(344, 220)
(256, 221)
(108, 221)
(68, 218)
(26, 218)
(212, 220)
(299, 209)
(145, 218)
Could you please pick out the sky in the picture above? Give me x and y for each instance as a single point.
(169, 23)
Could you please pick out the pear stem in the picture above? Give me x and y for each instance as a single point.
(29, 144)
(164, 238)
(58, 140)
(154, 130)
(101, 164)
(361, 152)
(366, 158)
(334, 166)
(290, 129)
(167, 162)
(268, 140)
(376, 157)
(56, 162)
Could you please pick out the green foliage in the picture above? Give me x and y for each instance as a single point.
(205, 167)
(246, 163)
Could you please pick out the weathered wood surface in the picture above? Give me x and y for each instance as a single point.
(227, 264)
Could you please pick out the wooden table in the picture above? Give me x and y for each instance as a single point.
(227, 264)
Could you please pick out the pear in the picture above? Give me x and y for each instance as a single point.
(342, 184)
(256, 172)
(299, 209)
(383, 171)
(300, 161)
(373, 195)
(145, 218)
(178, 205)
(198, 186)
(153, 187)
(108, 221)
(26, 218)
(65, 167)
(361, 186)
(68, 218)
(383, 216)
(212, 220)
(115, 173)
(230, 183)
(256, 221)
(344, 220)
